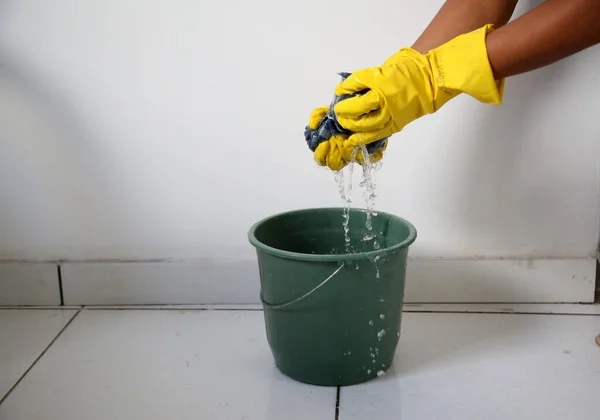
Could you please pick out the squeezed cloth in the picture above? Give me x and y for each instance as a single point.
(329, 126)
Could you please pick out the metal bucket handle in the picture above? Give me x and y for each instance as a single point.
(305, 295)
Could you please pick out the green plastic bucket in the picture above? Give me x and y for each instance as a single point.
(332, 317)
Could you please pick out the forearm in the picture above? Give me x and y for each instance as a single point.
(554, 30)
(457, 17)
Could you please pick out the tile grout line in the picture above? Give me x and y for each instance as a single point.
(428, 311)
(498, 313)
(60, 285)
(184, 308)
(172, 308)
(39, 308)
(225, 309)
(337, 402)
(37, 359)
(597, 285)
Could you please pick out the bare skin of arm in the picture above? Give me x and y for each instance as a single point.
(457, 17)
(552, 31)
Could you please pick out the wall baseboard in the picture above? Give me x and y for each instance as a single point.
(25, 283)
(431, 281)
(501, 281)
(568, 280)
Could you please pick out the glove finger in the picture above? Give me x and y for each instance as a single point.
(335, 158)
(354, 83)
(358, 157)
(370, 136)
(358, 105)
(316, 116)
(374, 157)
(331, 153)
(321, 153)
(372, 121)
(378, 155)
(348, 150)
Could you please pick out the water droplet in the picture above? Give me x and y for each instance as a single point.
(344, 185)
(357, 267)
(380, 373)
(347, 198)
(398, 334)
(381, 299)
(369, 371)
(371, 323)
(382, 316)
(380, 334)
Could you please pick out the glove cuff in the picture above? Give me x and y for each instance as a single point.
(462, 66)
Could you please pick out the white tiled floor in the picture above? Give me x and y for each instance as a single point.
(24, 335)
(214, 364)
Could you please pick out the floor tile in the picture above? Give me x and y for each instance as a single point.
(486, 366)
(24, 335)
(164, 365)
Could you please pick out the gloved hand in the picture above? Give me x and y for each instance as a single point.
(337, 152)
(409, 85)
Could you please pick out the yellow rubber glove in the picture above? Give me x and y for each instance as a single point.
(410, 85)
(337, 152)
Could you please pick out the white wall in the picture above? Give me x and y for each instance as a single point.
(164, 129)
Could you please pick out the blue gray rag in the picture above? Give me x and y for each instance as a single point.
(329, 126)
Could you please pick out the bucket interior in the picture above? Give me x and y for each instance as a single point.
(321, 232)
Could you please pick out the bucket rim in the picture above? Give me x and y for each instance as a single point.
(410, 239)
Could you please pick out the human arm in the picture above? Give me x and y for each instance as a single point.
(411, 84)
(552, 31)
(457, 17)
(419, 80)
(454, 18)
